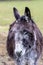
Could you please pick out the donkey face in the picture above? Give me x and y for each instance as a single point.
(22, 33)
(22, 37)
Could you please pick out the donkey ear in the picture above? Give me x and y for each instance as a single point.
(27, 12)
(16, 14)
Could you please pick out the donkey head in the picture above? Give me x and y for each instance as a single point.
(22, 35)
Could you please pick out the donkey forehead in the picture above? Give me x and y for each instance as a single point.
(23, 19)
(22, 23)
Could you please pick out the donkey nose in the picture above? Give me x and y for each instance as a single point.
(18, 54)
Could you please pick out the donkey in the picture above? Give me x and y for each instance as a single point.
(24, 41)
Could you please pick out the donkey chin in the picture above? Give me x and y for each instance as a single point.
(24, 41)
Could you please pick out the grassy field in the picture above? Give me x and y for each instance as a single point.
(7, 17)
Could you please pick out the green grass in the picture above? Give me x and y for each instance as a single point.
(6, 11)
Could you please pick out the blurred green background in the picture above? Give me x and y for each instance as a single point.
(7, 17)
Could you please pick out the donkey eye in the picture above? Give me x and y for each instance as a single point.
(29, 34)
(25, 31)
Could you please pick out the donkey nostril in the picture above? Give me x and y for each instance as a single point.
(29, 46)
(18, 54)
